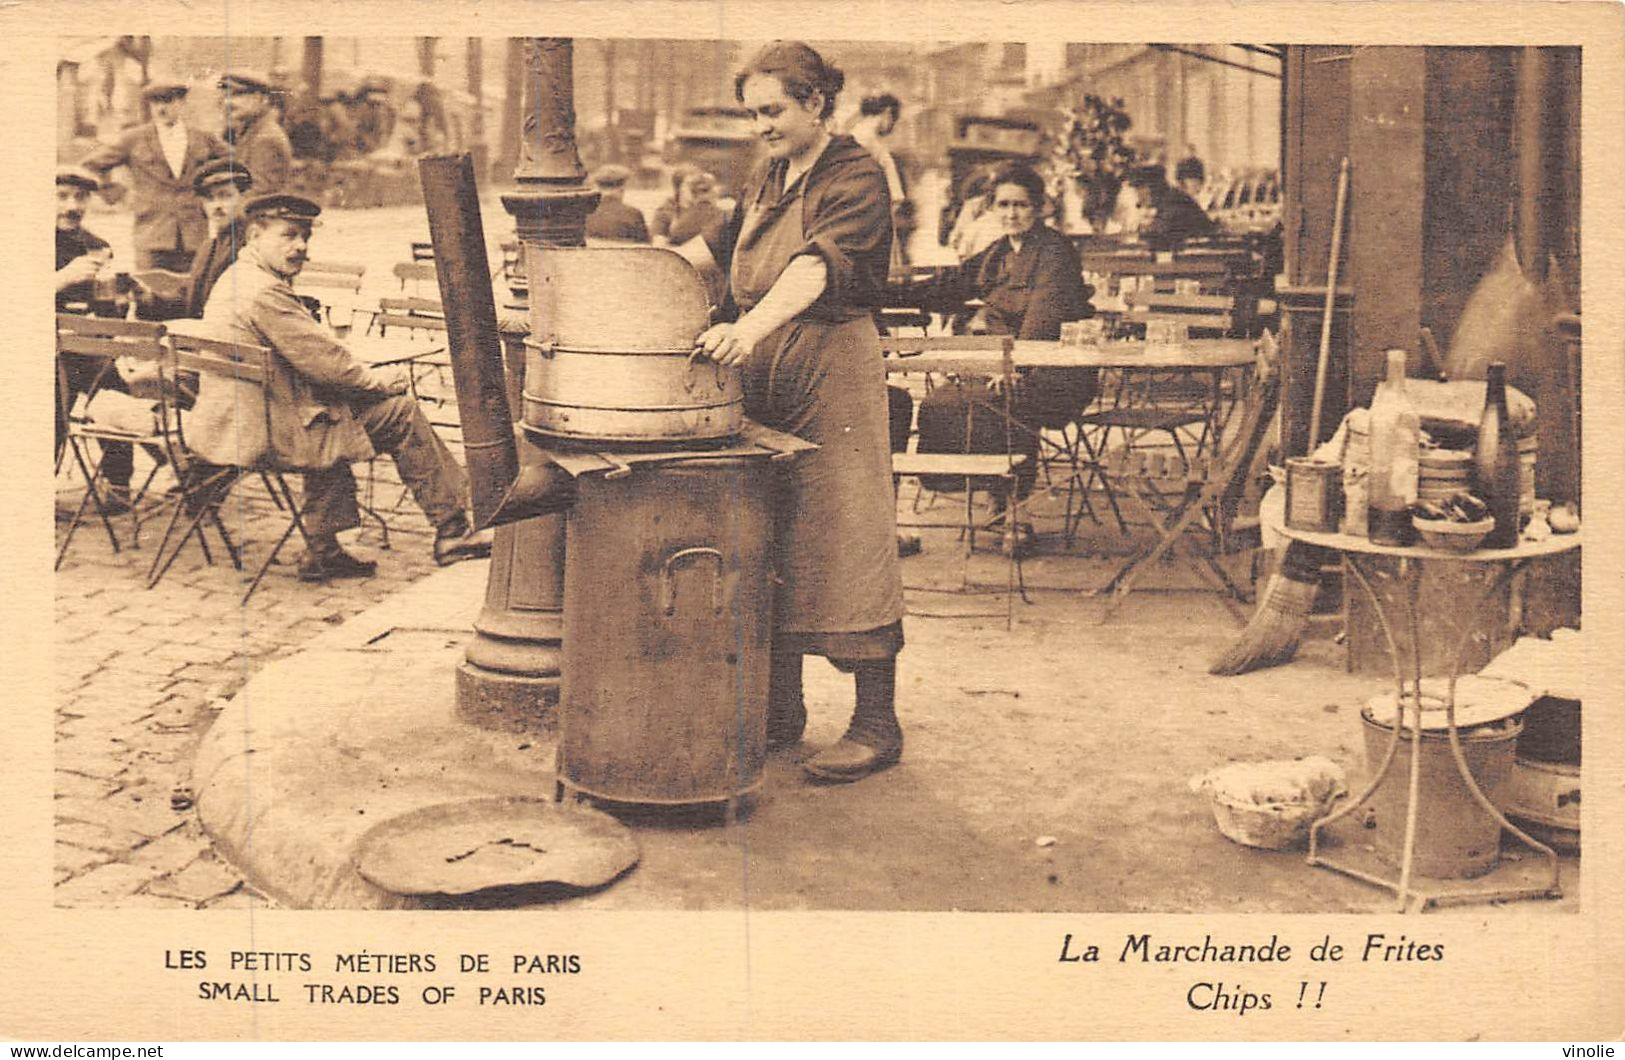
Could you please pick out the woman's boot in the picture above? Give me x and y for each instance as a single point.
(786, 710)
(873, 738)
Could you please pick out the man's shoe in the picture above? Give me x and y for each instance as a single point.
(849, 760)
(908, 544)
(323, 566)
(460, 543)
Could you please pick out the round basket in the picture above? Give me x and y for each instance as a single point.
(1270, 826)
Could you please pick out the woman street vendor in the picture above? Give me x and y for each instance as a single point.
(807, 252)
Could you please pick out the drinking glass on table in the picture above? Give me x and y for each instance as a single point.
(341, 319)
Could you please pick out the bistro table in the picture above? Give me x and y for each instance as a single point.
(1359, 553)
(1193, 355)
(1209, 357)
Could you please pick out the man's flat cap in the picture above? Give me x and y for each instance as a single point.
(75, 177)
(222, 171)
(162, 90)
(611, 176)
(234, 84)
(280, 206)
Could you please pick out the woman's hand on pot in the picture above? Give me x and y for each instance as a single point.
(727, 344)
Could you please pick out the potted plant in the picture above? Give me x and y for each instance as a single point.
(1086, 158)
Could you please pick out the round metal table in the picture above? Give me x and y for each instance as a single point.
(1357, 551)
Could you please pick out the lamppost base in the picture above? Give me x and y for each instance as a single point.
(517, 703)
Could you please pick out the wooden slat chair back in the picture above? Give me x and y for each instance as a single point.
(1199, 312)
(335, 285)
(242, 363)
(109, 340)
(417, 273)
(1003, 468)
(416, 314)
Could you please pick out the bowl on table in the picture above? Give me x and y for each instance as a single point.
(1451, 536)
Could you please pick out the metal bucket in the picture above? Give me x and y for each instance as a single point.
(613, 361)
(667, 627)
(1456, 838)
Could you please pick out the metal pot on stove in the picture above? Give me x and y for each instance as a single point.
(617, 362)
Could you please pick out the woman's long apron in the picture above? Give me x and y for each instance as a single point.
(820, 378)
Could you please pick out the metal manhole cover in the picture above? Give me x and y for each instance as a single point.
(461, 848)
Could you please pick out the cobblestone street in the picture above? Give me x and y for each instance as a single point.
(140, 674)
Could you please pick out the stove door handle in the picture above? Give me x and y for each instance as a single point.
(668, 577)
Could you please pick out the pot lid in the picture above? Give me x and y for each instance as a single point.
(620, 298)
(462, 848)
(1479, 701)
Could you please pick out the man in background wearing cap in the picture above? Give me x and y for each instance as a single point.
(257, 138)
(614, 219)
(220, 188)
(163, 158)
(80, 256)
(327, 408)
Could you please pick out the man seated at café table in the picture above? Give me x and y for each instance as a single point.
(327, 407)
(81, 257)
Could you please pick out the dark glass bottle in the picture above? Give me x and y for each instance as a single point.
(1495, 463)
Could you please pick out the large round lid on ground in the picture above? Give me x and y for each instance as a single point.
(475, 845)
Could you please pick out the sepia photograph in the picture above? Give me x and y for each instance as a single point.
(778, 471)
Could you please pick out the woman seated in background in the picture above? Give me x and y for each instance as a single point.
(1031, 282)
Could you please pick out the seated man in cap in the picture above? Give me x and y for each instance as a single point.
(327, 408)
(220, 187)
(614, 219)
(163, 158)
(80, 258)
(257, 137)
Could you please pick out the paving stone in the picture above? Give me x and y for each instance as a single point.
(73, 860)
(150, 814)
(101, 886)
(97, 837)
(71, 785)
(199, 881)
(143, 663)
(169, 854)
(244, 897)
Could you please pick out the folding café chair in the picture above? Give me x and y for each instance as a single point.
(1175, 494)
(227, 362)
(1150, 403)
(320, 278)
(417, 273)
(978, 470)
(104, 340)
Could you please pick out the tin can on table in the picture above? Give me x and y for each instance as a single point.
(1314, 494)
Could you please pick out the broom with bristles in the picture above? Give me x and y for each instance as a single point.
(1272, 635)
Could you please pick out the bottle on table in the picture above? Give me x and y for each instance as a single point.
(1396, 449)
(1495, 462)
